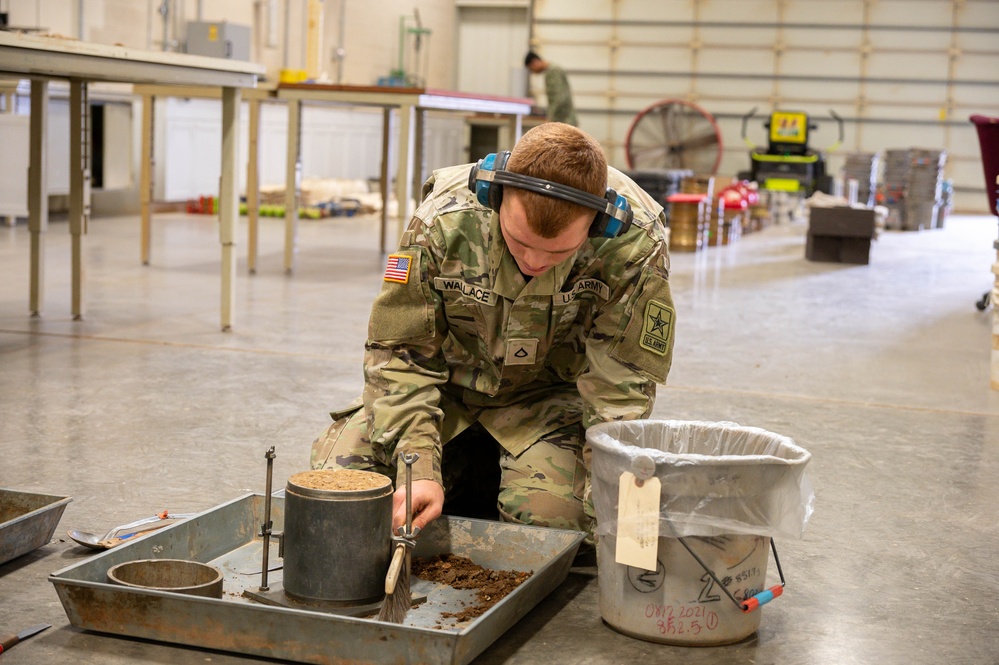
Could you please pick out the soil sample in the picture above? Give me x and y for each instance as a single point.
(340, 480)
(490, 586)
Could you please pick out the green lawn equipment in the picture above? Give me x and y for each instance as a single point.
(788, 164)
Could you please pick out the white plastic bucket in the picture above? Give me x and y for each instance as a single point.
(679, 603)
(725, 490)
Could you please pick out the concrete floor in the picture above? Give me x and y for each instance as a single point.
(881, 371)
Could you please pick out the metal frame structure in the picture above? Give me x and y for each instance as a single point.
(43, 59)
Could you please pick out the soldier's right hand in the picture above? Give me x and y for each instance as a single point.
(427, 502)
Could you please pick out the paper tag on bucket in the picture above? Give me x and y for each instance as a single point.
(637, 522)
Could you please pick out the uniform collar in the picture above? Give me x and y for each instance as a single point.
(506, 276)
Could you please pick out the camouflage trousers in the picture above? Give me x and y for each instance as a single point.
(546, 485)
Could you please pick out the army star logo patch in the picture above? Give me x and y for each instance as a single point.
(657, 328)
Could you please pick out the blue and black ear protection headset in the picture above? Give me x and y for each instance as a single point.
(487, 177)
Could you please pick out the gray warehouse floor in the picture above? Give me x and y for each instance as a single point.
(881, 371)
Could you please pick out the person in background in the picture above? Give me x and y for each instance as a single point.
(528, 300)
(560, 106)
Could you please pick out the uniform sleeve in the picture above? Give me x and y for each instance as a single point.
(630, 348)
(403, 364)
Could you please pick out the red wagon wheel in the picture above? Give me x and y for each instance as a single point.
(674, 134)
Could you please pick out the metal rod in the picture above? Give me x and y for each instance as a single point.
(780, 572)
(409, 459)
(265, 529)
(758, 25)
(749, 76)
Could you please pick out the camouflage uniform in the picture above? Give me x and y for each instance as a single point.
(560, 106)
(462, 338)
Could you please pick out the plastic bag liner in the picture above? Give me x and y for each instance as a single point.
(717, 478)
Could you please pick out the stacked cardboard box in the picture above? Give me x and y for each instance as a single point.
(840, 235)
(862, 167)
(913, 188)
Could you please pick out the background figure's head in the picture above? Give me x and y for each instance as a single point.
(534, 62)
(563, 154)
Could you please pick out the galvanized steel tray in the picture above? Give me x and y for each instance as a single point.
(226, 537)
(27, 521)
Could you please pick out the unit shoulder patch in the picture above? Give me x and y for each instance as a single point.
(657, 327)
(646, 343)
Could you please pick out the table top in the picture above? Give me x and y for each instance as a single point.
(35, 56)
(428, 98)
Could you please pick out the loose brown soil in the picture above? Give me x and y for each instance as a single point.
(491, 586)
(340, 480)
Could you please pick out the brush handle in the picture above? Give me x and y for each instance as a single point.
(395, 567)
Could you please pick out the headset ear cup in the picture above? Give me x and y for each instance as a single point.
(495, 196)
(495, 189)
(607, 226)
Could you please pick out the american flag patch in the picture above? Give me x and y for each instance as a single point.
(397, 269)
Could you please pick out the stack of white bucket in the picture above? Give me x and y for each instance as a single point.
(725, 491)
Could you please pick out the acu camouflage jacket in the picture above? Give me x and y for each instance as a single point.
(457, 335)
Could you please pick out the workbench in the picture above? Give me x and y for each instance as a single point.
(412, 105)
(42, 59)
(254, 97)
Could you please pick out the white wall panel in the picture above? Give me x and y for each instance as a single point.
(591, 9)
(983, 99)
(824, 12)
(654, 59)
(977, 67)
(655, 10)
(492, 43)
(926, 114)
(977, 13)
(976, 41)
(907, 65)
(916, 96)
(900, 72)
(756, 11)
(914, 41)
(733, 60)
(796, 62)
(931, 13)
(826, 39)
(737, 36)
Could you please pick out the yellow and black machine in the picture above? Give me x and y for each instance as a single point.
(788, 164)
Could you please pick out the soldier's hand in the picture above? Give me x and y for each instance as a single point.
(428, 502)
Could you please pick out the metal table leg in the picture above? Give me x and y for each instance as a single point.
(38, 192)
(229, 201)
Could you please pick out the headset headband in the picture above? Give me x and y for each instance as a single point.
(554, 189)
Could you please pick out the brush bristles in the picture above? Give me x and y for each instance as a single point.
(396, 605)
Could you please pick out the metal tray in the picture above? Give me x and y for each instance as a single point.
(226, 537)
(27, 521)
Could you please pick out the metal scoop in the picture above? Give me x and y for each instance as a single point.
(120, 533)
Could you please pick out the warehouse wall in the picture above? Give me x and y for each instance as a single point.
(371, 30)
(902, 73)
(342, 142)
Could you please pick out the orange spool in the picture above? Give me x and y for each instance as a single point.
(686, 222)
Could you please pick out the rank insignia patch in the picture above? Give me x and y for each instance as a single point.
(657, 328)
(397, 268)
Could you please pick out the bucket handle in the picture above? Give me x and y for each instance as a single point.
(749, 604)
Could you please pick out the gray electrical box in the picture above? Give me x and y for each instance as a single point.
(219, 40)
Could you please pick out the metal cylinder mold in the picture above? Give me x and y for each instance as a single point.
(177, 575)
(337, 536)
